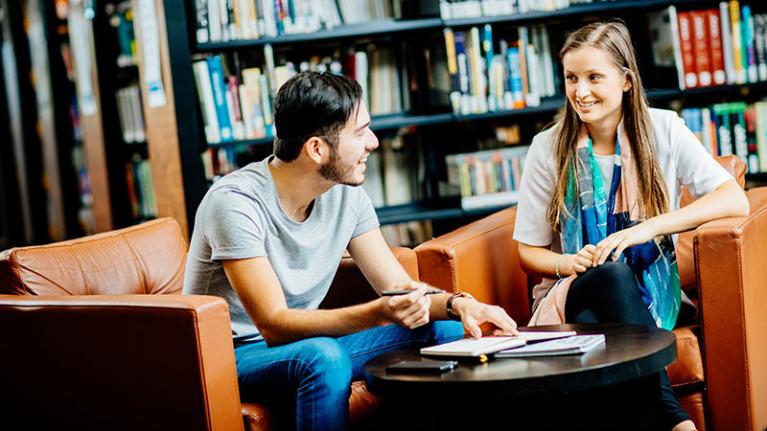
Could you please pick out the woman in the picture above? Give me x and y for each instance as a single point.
(599, 198)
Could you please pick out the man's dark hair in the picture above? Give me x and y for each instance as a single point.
(312, 104)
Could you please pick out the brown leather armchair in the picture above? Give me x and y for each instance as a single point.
(720, 373)
(96, 336)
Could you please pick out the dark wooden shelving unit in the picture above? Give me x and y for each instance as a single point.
(180, 180)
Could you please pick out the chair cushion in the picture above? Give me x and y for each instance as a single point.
(362, 407)
(145, 259)
(686, 372)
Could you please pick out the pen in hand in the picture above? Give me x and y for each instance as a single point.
(394, 292)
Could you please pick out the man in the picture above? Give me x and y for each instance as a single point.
(269, 237)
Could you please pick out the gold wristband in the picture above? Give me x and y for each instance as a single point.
(556, 267)
(449, 304)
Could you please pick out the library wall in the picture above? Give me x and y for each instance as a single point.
(456, 89)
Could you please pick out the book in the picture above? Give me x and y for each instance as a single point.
(476, 348)
(575, 345)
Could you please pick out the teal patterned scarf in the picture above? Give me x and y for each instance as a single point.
(590, 215)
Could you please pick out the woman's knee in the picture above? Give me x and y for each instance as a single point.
(615, 277)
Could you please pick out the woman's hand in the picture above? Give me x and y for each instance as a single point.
(581, 261)
(619, 241)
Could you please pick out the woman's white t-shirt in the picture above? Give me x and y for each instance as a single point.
(682, 159)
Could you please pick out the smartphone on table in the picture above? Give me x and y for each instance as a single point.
(422, 367)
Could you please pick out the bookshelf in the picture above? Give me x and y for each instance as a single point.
(181, 181)
(39, 176)
(111, 115)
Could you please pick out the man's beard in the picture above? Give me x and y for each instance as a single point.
(335, 171)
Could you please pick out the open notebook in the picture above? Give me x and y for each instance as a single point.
(471, 347)
(574, 345)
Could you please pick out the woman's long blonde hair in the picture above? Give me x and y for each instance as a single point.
(613, 38)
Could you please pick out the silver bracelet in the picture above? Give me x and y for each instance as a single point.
(556, 267)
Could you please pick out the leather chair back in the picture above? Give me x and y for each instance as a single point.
(350, 286)
(477, 258)
(145, 259)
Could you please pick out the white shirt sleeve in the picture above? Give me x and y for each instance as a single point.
(695, 167)
(535, 192)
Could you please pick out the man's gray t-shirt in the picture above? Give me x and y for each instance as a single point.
(241, 217)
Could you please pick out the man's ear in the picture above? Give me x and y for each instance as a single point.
(316, 149)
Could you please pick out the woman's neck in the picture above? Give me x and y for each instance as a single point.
(603, 135)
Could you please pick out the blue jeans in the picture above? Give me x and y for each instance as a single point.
(316, 373)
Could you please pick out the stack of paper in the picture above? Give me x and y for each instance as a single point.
(574, 345)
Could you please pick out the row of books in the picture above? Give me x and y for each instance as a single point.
(138, 177)
(130, 114)
(732, 128)
(236, 103)
(218, 162)
(224, 20)
(713, 46)
(394, 173)
(489, 76)
(121, 20)
(459, 9)
(487, 178)
(408, 234)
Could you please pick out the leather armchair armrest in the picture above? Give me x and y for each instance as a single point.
(730, 259)
(481, 258)
(99, 361)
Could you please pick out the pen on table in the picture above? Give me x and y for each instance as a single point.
(394, 292)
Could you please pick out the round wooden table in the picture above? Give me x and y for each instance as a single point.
(620, 375)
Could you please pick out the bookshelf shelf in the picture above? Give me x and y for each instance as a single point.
(723, 90)
(575, 10)
(380, 27)
(547, 105)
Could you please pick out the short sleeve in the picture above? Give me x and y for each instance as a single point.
(367, 219)
(232, 227)
(535, 192)
(695, 167)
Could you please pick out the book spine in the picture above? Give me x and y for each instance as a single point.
(761, 134)
(737, 42)
(738, 121)
(701, 47)
(452, 70)
(729, 59)
(219, 97)
(715, 47)
(748, 43)
(515, 78)
(753, 155)
(760, 33)
(688, 55)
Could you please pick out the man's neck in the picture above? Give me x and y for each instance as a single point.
(297, 187)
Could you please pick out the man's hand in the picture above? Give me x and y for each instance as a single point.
(410, 310)
(619, 241)
(474, 313)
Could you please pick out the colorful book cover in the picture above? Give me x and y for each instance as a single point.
(219, 97)
(715, 47)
